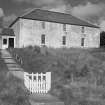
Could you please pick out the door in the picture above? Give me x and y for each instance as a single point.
(102, 39)
(11, 43)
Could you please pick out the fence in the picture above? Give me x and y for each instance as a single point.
(18, 58)
(38, 83)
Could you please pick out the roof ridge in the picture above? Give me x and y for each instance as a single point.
(45, 10)
(31, 10)
(58, 13)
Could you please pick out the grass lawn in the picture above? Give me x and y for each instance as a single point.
(11, 91)
(2, 65)
(71, 70)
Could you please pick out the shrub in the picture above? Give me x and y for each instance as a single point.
(84, 71)
(30, 47)
(37, 49)
(67, 74)
(83, 102)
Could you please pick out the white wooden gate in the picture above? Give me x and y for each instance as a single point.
(38, 83)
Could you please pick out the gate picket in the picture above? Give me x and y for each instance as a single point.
(38, 83)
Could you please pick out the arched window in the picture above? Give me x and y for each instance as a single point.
(43, 25)
(83, 29)
(64, 27)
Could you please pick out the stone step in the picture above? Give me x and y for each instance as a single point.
(13, 65)
(9, 61)
(6, 57)
(6, 54)
(15, 69)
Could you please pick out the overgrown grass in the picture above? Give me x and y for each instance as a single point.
(78, 75)
(12, 91)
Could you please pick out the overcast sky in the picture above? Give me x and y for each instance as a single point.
(90, 10)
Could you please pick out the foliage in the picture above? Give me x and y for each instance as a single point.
(81, 65)
(37, 49)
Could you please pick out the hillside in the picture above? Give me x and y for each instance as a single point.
(78, 75)
(11, 91)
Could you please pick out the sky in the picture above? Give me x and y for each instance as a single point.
(90, 10)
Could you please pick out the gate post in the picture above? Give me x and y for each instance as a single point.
(48, 80)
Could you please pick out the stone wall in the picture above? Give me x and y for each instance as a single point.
(16, 28)
(31, 31)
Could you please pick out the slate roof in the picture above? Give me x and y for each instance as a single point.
(45, 15)
(7, 32)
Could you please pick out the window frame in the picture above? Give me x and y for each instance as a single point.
(82, 41)
(83, 29)
(4, 41)
(64, 40)
(43, 39)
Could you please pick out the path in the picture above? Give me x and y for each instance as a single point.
(12, 66)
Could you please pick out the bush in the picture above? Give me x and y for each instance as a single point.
(67, 74)
(30, 47)
(84, 71)
(83, 102)
(37, 49)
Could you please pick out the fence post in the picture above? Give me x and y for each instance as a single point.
(21, 61)
(32, 83)
(26, 80)
(37, 82)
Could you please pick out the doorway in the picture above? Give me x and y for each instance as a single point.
(11, 43)
(102, 39)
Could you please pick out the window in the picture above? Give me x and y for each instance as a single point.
(43, 39)
(43, 25)
(83, 29)
(64, 27)
(64, 40)
(4, 41)
(82, 41)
